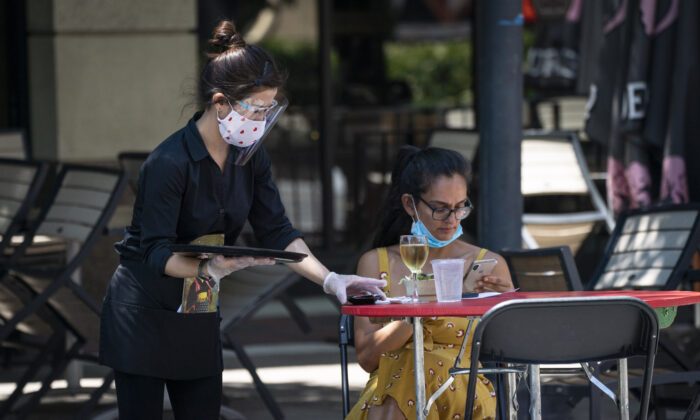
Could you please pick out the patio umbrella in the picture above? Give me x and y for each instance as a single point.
(639, 103)
(684, 108)
(610, 59)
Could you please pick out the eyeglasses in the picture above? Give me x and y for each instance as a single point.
(443, 213)
(257, 108)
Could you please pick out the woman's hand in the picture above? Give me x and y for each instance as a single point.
(342, 285)
(220, 266)
(492, 283)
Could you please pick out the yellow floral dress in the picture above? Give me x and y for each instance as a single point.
(442, 338)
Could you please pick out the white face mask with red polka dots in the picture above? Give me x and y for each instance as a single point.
(240, 131)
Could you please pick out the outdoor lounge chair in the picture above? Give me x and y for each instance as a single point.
(649, 249)
(553, 165)
(562, 113)
(20, 182)
(80, 206)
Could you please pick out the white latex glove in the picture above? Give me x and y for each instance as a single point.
(220, 266)
(341, 285)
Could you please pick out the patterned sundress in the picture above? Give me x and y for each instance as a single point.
(442, 338)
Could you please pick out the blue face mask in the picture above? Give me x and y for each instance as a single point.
(418, 228)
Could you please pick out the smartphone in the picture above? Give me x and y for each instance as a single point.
(477, 270)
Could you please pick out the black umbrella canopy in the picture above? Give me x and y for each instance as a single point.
(638, 103)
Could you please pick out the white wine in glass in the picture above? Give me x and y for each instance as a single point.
(414, 253)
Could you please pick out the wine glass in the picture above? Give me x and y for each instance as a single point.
(414, 253)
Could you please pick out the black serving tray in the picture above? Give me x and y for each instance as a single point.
(235, 251)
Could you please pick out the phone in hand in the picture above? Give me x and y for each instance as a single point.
(477, 270)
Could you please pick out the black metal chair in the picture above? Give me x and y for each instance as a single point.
(80, 206)
(553, 331)
(543, 269)
(649, 249)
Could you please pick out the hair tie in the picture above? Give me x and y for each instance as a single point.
(257, 82)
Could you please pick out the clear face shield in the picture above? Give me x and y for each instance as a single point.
(249, 123)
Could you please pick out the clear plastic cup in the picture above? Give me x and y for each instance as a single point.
(448, 279)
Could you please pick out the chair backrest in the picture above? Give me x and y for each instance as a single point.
(553, 164)
(563, 113)
(131, 162)
(566, 330)
(20, 182)
(464, 141)
(543, 270)
(81, 204)
(649, 248)
(550, 166)
(14, 145)
(460, 117)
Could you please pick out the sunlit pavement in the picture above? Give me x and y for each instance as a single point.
(302, 371)
(300, 390)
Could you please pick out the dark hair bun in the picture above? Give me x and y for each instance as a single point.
(225, 38)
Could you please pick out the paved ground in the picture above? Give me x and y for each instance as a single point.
(301, 371)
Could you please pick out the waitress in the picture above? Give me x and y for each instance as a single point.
(209, 177)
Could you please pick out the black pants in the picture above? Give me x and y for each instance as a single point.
(141, 397)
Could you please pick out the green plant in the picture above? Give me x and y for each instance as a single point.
(439, 73)
(300, 60)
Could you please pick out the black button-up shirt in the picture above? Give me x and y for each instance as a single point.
(183, 194)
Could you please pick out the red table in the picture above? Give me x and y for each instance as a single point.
(478, 307)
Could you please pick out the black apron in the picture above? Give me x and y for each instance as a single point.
(142, 333)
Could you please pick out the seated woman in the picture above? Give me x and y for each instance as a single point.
(428, 197)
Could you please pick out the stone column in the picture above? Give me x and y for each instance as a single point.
(109, 75)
